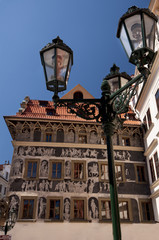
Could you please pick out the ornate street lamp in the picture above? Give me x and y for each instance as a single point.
(57, 60)
(137, 33)
(136, 30)
(116, 79)
(7, 216)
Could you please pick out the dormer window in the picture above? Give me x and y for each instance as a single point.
(43, 103)
(78, 95)
(50, 112)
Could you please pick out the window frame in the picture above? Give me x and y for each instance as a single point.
(145, 173)
(124, 139)
(48, 209)
(147, 120)
(26, 169)
(22, 208)
(130, 219)
(35, 139)
(141, 201)
(157, 99)
(72, 218)
(56, 161)
(155, 163)
(152, 169)
(83, 133)
(73, 162)
(100, 163)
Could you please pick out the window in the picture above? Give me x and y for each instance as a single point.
(152, 170)
(93, 137)
(147, 120)
(60, 135)
(48, 135)
(71, 136)
(104, 175)
(5, 190)
(123, 210)
(56, 169)
(105, 209)
(43, 103)
(54, 208)
(82, 138)
(141, 173)
(78, 95)
(28, 208)
(156, 163)
(125, 141)
(79, 170)
(7, 174)
(50, 112)
(145, 124)
(78, 209)
(157, 99)
(146, 210)
(0, 188)
(37, 135)
(32, 169)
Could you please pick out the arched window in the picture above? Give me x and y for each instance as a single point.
(78, 95)
(60, 135)
(93, 137)
(71, 136)
(26, 133)
(48, 135)
(37, 134)
(82, 138)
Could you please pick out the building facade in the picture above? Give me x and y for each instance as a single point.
(59, 168)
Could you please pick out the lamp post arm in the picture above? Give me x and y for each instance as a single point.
(121, 98)
(126, 86)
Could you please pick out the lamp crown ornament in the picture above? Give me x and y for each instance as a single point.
(57, 40)
(114, 69)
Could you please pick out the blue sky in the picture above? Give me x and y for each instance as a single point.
(88, 26)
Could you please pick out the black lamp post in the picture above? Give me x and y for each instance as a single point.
(137, 32)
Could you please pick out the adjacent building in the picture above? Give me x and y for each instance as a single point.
(146, 104)
(4, 178)
(59, 170)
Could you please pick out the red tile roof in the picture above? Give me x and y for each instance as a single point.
(36, 110)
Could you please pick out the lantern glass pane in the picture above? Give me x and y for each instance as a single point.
(61, 65)
(114, 84)
(125, 41)
(49, 59)
(123, 81)
(149, 31)
(69, 70)
(133, 25)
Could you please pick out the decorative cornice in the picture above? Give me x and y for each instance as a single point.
(74, 145)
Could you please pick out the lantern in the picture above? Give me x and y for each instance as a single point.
(116, 79)
(57, 60)
(136, 31)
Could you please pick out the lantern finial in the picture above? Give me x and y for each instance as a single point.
(57, 40)
(114, 69)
